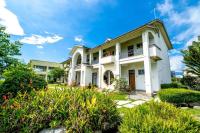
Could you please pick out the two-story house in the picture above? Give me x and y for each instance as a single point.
(139, 56)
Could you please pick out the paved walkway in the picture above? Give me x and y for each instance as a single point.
(133, 100)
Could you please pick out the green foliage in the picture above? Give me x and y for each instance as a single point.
(20, 78)
(79, 110)
(172, 85)
(192, 58)
(57, 73)
(8, 50)
(191, 82)
(179, 96)
(121, 84)
(158, 117)
(117, 95)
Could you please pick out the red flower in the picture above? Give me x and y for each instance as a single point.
(5, 97)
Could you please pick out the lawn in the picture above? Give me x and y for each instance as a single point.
(118, 95)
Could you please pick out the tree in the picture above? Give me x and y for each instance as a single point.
(57, 73)
(20, 78)
(8, 50)
(192, 58)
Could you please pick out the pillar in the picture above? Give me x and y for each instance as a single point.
(117, 57)
(147, 63)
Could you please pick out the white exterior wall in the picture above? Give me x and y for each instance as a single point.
(139, 79)
(156, 72)
(164, 64)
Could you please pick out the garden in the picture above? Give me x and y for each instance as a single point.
(29, 104)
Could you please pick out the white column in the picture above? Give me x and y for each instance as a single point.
(147, 63)
(117, 57)
(100, 69)
(90, 58)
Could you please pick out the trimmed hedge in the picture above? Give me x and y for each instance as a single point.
(178, 96)
(78, 110)
(158, 117)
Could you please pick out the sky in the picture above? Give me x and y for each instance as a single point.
(48, 29)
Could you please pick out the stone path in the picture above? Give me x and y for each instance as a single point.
(133, 100)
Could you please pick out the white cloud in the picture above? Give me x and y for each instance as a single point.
(39, 40)
(40, 47)
(176, 63)
(187, 19)
(78, 39)
(9, 20)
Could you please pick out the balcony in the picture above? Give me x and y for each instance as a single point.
(155, 52)
(107, 59)
(78, 66)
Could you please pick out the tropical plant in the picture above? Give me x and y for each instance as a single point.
(8, 50)
(192, 58)
(158, 117)
(78, 110)
(121, 84)
(191, 82)
(20, 78)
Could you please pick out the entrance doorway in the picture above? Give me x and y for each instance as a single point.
(132, 79)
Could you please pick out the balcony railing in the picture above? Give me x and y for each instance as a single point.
(155, 52)
(136, 52)
(78, 66)
(95, 62)
(107, 59)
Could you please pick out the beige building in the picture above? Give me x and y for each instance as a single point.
(42, 68)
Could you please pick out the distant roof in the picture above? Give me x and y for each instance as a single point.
(66, 61)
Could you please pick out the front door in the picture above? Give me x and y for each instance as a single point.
(132, 79)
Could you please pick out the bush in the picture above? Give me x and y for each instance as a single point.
(178, 96)
(78, 110)
(121, 84)
(158, 117)
(191, 82)
(20, 78)
(171, 85)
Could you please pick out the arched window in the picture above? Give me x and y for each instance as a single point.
(78, 60)
(108, 77)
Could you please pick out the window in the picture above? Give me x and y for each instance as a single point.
(139, 45)
(130, 50)
(108, 77)
(141, 72)
(88, 58)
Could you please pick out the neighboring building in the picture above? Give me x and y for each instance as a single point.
(139, 56)
(42, 68)
(66, 67)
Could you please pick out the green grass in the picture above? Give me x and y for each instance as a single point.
(55, 86)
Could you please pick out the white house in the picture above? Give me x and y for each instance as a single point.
(139, 56)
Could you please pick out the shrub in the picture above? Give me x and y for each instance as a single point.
(179, 96)
(79, 110)
(170, 85)
(20, 78)
(121, 84)
(158, 117)
(191, 82)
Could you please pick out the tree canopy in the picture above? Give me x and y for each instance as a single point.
(192, 58)
(8, 50)
(57, 73)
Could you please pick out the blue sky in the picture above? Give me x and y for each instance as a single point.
(50, 28)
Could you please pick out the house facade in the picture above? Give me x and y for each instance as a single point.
(139, 56)
(42, 68)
